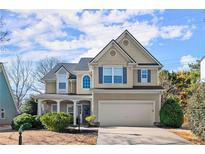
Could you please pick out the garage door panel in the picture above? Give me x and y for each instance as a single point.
(126, 114)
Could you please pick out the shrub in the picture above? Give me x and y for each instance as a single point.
(56, 121)
(171, 114)
(29, 106)
(36, 122)
(196, 112)
(23, 119)
(90, 119)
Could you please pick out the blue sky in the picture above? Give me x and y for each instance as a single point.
(174, 37)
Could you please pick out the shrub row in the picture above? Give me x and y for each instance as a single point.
(51, 121)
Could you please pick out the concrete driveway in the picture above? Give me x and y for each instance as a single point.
(137, 135)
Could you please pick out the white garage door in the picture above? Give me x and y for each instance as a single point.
(126, 113)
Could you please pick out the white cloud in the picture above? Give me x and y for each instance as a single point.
(185, 61)
(183, 32)
(42, 31)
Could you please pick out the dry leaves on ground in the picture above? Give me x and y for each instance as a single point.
(188, 135)
(43, 137)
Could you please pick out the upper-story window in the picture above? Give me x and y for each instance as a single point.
(62, 81)
(2, 116)
(144, 75)
(113, 75)
(86, 82)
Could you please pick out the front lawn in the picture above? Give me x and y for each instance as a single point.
(44, 137)
(188, 135)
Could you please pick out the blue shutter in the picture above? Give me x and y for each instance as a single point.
(124, 75)
(139, 75)
(100, 74)
(149, 76)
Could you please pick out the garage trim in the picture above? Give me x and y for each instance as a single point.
(129, 101)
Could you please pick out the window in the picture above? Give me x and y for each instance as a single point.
(53, 107)
(118, 73)
(2, 114)
(107, 75)
(62, 82)
(70, 109)
(112, 75)
(86, 82)
(144, 75)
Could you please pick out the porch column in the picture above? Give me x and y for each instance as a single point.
(58, 106)
(39, 107)
(74, 111)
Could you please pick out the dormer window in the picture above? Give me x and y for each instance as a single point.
(62, 81)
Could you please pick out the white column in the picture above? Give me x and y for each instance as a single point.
(39, 107)
(74, 111)
(58, 106)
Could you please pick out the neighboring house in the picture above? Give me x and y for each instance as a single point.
(202, 69)
(120, 86)
(8, 108)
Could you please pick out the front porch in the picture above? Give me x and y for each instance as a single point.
(80, 106)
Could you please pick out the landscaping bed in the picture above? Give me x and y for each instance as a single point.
(188, 135)
(44, 137)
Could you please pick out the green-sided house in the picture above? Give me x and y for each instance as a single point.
(8, 108)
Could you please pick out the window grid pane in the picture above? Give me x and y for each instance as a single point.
(62, 85)
(118, 73)
(86, 81)
(54, 108)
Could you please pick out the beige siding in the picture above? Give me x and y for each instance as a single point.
(80, 89)
(50, 87)
(107, 59)
(136, 52)
(72, 86)
(127, 96)
(154, 78)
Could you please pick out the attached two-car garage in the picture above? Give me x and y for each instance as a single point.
(126, 113)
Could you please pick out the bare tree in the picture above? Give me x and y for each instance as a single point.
(42, 68)
(21, 75)
(3, 33)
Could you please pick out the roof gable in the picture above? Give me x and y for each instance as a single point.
(114, 44)
(126, 33)
(70, 67)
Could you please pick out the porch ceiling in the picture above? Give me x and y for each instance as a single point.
(63, 97)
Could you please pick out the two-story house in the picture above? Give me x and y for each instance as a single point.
(202, 69)
(120, 86)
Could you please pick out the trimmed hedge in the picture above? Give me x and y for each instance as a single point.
(56, 121)
(171, 114)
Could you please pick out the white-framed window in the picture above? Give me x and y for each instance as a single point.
(2, 114)
(86, 82)
(70, 109)
(113, 75)
(144, 75)
(53, 107)
(62, 81)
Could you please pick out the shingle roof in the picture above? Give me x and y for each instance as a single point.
(70, 67)
(83, 64)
